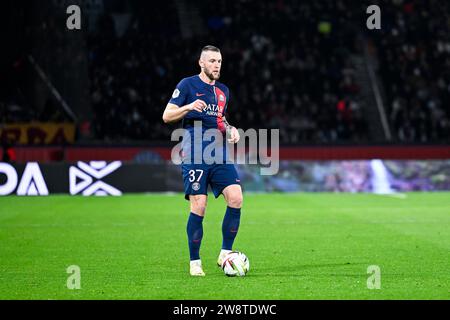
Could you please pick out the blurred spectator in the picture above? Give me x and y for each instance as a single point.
(9, 154)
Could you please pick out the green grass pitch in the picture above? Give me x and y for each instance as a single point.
(300, 246)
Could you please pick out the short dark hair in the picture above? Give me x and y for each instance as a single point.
(210, 48)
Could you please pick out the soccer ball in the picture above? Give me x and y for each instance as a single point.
(235, 264)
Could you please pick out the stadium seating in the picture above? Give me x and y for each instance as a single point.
(287, 63)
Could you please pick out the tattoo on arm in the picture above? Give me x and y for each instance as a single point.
(227, 125)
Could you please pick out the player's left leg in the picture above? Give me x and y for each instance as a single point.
(225, 180)
(230, 226)
(232, 218)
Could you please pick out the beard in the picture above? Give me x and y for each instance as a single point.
(211, 75)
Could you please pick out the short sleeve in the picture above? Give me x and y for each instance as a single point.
(179, 96)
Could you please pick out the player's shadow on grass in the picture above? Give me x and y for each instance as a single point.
(296, 271)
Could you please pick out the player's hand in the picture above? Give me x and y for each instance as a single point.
(233, 134)
(197, 105)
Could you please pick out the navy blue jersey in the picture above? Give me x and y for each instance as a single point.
(198, 176)
(216, 98)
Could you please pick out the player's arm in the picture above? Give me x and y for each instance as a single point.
(232, 131)
(174, 113)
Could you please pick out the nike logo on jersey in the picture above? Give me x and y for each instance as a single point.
(200, 94)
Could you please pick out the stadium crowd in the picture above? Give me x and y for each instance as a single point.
(414, 53)
(287, 63)
(273, 64)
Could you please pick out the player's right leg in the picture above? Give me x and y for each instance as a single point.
(195, 178)
(195, 232)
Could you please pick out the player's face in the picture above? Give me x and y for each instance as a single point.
(211, 63)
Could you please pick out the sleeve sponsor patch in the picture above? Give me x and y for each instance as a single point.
(176, 94)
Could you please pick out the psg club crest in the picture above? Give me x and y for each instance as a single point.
(196, 186)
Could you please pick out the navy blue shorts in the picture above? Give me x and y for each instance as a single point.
(197, 177)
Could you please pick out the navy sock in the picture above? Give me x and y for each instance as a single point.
(230, 227)
(195, 234)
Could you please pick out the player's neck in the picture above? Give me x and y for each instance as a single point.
(206, 79)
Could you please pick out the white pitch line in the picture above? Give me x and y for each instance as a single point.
(393, 195)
